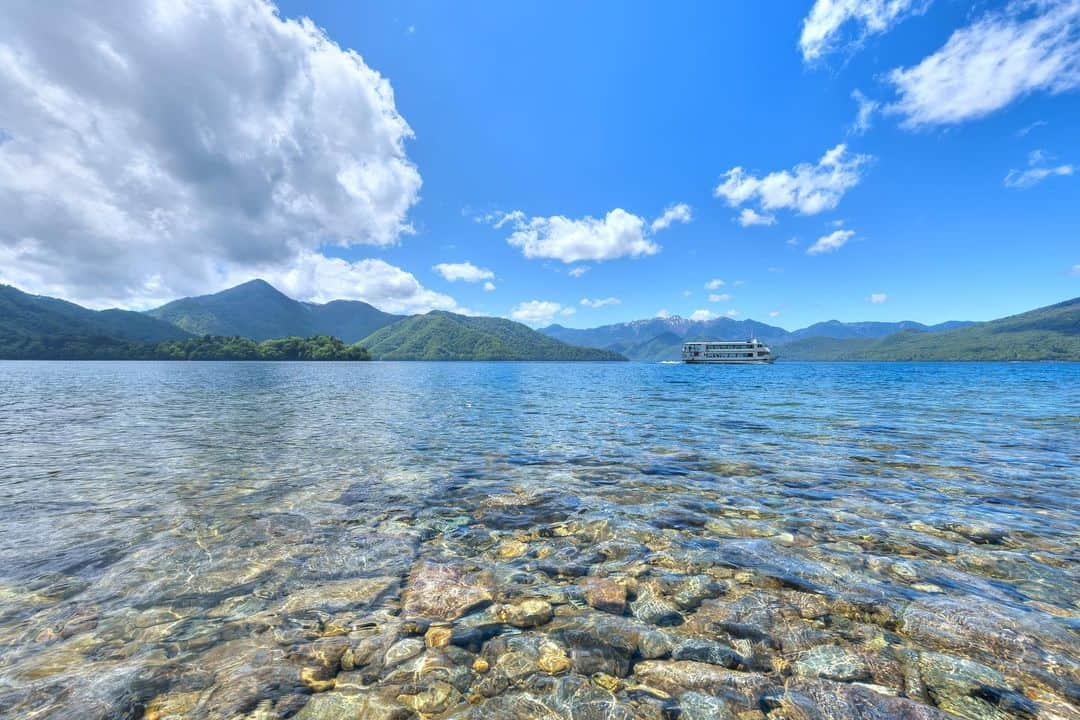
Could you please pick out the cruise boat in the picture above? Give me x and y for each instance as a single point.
(727, 352)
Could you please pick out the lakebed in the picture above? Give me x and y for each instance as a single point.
(531, 540)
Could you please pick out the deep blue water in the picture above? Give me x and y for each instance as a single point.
(147, 510)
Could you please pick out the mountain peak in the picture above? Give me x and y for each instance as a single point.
(258, 285)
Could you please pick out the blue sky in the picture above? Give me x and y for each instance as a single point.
(546, 132)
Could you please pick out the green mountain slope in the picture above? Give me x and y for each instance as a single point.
(259, 311)
(441, 335)
(1048, 333)
(27, 317)
(665, 346)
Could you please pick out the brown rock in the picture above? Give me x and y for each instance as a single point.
(438, 636)
(604, 594)
(526, 614)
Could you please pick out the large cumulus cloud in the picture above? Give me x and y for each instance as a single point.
(150, 148)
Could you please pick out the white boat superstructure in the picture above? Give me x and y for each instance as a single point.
(727, 352)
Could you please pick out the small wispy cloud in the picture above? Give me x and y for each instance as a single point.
(675, 213)
(831, 242)
(539, 312)
(864, 116)
(749, 217)
(1037, 171)
(878, 298)
(719, 297)
(1022, 132)
(600, 302)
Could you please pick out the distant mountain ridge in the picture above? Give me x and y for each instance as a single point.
(259, 311)
(661, 338)
(1047, 333)
(441, 335)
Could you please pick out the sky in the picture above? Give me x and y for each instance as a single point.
(579, 163)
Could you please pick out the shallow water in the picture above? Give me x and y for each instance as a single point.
(234, 540)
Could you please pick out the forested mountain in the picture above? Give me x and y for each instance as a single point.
(1048, 333)
(844, 330)
(30, 322)
(234, 323)
(656, 339)
(259, 311)
(440, 335)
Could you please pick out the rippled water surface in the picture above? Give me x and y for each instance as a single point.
(489, 540)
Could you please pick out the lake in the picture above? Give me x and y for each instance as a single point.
(517, 540)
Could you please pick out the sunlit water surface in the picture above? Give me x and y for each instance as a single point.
(245, 540)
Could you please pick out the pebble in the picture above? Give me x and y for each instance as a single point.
(553, 659)
(438, 636)
(403, 650)
(526, 614)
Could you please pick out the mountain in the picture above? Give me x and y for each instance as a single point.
(626, 337)
(441, 335)
(665, 346)
(259, 311)
(1048, 333)
(28, 316)
(656, 339)
(844, 330)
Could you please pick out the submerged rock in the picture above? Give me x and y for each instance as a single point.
(816, 699)
(679, 677)
(969, 689)
(604, 594)
(832, 663)
(652, 608)
(445, 592)
(707, 651)
(526, 614)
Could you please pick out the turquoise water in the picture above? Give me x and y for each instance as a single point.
(274, 540)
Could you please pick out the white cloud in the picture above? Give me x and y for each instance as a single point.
(1022, 132)
(539, 312)
(465, 271)
(317, 278)
(164, 146)
(721, 297)
(489, 286)
(578, 271)
(749, 217)
(1075, 270)
(676, 213)
(831, 242)
(793, 241)
(807, 188)
(823, 27)
(600, 302)
(618, 234)
(1036, 172)
(878, 298)
(703, 315)
(774, 313)
(864, 116)
(739, 283)
(663, 314)
(1029, 46)
(731, 313)
(714, 284)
